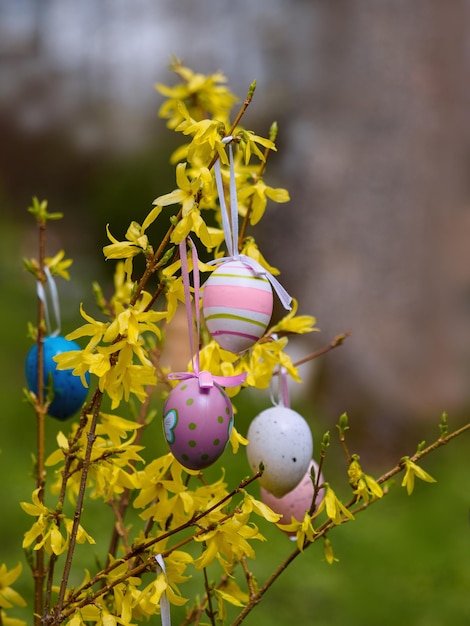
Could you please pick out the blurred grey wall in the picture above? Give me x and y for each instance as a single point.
(372, 99)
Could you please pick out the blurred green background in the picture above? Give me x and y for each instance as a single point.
(372, 103)
(404, 560)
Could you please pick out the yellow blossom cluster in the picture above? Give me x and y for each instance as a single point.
(51, 529)
(117, 352)
(113, 458)
(365, 487)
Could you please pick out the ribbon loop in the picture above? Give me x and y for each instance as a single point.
(282, 397)
(230, 227)
(54, 296)
(206, 379)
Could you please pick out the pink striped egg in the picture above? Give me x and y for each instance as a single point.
(197, 423)
(237, 305)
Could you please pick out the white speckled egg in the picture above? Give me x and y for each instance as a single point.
(296, 502)
(281, 440)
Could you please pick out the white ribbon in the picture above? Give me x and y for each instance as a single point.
(164, 603)
(206, 379)
(282, 396)
(230, 226)
(54, 296)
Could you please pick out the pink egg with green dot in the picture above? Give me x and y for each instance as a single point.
(197, 423)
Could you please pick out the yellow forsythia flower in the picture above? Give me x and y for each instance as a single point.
(411, 471)
(8, 596)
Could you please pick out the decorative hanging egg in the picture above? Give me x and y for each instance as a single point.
(197, 422)
(296, 502)
(281, 440)
(237, 305)
(69, 392)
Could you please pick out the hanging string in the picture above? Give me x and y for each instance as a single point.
(187, 298)
(284, 388)
(206, 379)
(282, 392)
(233, 203)
(54, 297)
(230, 227)
(164, 602)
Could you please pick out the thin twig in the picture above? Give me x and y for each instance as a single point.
(39, 571)
(337, 341)
(121, 507)
(240, 114)
(328, 525)
(78, 510)
(143, 547)
(209, 609)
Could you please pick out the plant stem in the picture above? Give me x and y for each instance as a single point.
(316, 485)
(241, 112)
(152, 264)
(328, 525)
(39, 571)
(209, 609)
(256, 598)
(78, 510)
(337, 341)
(137, 570)
(442, 441)
(141, 548)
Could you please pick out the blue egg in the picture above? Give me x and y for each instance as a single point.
(69, 392)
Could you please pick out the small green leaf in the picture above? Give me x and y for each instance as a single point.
(31, 266)
(421, 447)
(167, 256)
(273, 131)
(444, 426)
(325, 442)
(99, 298)
(343, 424)
(39, 210)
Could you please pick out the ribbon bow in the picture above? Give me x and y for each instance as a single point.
(206, 379)
(230, 226)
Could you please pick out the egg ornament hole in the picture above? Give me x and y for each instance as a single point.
(69, 391)
(297, 502)
(237, 305)
(281, 440)
(197, 423)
